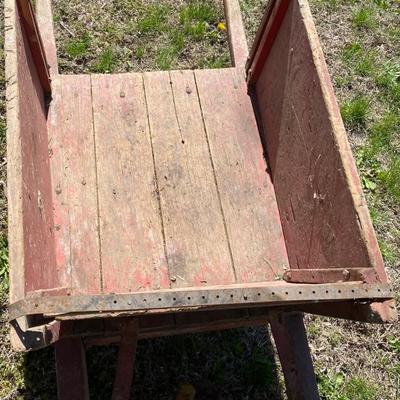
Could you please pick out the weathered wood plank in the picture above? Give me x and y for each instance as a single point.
(319, 194)
(196, 243)
(31, 235)
(294, 353)
(237, 36)
(72, 381)
(73, 168)
(44, 16)
(126, 361)
(133, 255)
(246, 190)
(34, 42)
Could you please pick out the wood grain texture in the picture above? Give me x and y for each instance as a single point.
(133, 255)
(323, 210)
(44, 17)
(32, 256)
(72, 380)
(33, 40)
(196, 244)
(237, 36)
(14, 161)
(73, 168)
(290, 338)
(246, 190)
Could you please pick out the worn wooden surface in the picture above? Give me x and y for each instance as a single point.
(33, 41)
(237, 36)
(126, 361)
(71, 371)
(246, 191)
(291, 342)
(131, 236)
(31, 235)
(183, 195)
(323, 211)
(74, 184)
(44, 16)
(196, 243)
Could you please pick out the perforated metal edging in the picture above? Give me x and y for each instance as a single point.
(177, 300)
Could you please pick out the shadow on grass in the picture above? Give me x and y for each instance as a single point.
(234, 364)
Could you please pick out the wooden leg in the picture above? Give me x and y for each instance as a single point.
(72, 381)
(126, 362)
(292, 345)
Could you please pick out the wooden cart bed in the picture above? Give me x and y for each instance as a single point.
(159, 181)
(166, 192)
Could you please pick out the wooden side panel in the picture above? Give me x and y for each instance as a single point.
(247, 194)
(237, 36)
(14, 162)
(32, 254)
(44, 16)
(324, 214)
(73, 169)
(133, 255)
(34, 42)
(196, 244)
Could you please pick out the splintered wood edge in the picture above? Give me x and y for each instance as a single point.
(180, 300)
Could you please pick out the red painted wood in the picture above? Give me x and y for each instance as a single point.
(44, 18)
(268, 32)
(34, 42)
(237, 36)
(38, 236)
(196, 244)
(292, 345)
(73, 169)
(71, 370)
(130, 224)
(322, 208)
(126, 362)
(246, 191)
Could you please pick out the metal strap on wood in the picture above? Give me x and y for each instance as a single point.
(272, 293)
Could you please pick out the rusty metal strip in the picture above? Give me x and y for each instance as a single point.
(331, 275)
(275, 293)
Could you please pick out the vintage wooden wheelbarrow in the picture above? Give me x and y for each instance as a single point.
(153, 204)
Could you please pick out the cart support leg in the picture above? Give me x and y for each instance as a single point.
(126, 362)
(72, 380)
(294, 353)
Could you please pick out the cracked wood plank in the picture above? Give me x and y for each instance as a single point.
(73, 168)
(196, 244)
(247, 193)
(132, 248)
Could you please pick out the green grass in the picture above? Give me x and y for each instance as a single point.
(148, 35)
(337, 387)
(364, 18)
(78, 48)
(154, 19)
(355, 111)
(105, 62)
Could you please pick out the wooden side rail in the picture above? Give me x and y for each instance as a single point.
(31, 30)
(31, 236)
(44, 17)
(237, 36)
